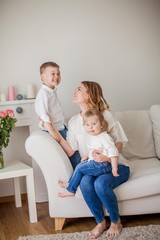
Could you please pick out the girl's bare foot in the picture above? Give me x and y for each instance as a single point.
(66, 193)
(98, 230)
(114, 229)
(63, 184)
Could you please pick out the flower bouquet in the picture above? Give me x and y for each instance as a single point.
(7, 123)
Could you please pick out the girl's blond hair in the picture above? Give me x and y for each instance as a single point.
(95, 99)
(99, 114)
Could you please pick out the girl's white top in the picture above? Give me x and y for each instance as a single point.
(102, 142)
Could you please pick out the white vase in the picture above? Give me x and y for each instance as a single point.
(1, 158)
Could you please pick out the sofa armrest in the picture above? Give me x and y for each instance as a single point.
(50, 157)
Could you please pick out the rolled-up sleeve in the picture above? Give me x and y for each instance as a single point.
(41, 107)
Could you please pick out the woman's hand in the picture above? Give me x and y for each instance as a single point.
(119, 146)
(84, 158)
(99, 157)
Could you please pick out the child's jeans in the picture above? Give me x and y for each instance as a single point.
(75, 159)
(64, 132)
(91, 168)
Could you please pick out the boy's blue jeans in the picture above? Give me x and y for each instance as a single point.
(91, 168)
(63, 132)
(98, 192)
(75, 158)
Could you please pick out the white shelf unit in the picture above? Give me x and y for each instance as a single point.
(29, 118)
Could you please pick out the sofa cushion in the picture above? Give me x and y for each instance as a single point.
(138, 129)
(143, 181)
(155, 116)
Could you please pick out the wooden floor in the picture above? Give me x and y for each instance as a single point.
(14, 222)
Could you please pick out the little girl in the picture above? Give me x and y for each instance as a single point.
(97, 138)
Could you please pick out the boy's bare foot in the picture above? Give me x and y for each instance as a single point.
(66, 193)
(114, 229)
(63, 184)
(98, 230)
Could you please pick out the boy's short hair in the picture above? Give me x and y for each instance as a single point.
(48, 64)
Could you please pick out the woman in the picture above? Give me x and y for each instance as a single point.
(97, 192)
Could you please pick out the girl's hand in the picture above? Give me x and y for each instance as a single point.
(115, 172)
(99, 157)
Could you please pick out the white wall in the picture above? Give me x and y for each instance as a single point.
(116, 43)
(113, 42)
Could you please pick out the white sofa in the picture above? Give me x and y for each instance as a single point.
(139, 195)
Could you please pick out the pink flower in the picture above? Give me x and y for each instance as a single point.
(7, 123)
(3, 114)
(10, 113)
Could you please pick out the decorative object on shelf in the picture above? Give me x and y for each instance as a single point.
(7, 123)
(19, 110)
(19, 96)
(25, 96)
(30, 91)
(11, 93)
(3, 97)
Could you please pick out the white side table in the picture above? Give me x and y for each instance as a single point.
(15, 170)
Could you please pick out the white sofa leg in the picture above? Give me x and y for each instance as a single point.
(59, 222)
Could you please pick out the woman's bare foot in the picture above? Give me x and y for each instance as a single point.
(63, 184)
(114, 229)
(66, 193)
(98, 230)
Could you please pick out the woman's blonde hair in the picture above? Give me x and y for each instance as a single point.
(99, 114)
(95, 99)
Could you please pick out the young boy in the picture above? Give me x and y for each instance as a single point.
(47, 105)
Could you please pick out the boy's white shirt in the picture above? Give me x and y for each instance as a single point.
(48, 108)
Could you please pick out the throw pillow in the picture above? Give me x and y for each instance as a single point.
(155, 117)
(138, 128)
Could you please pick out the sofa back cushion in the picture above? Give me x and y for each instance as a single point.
(155, 116)
(138, 128)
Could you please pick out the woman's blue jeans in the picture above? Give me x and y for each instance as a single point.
(91, 168)
(98, 192)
